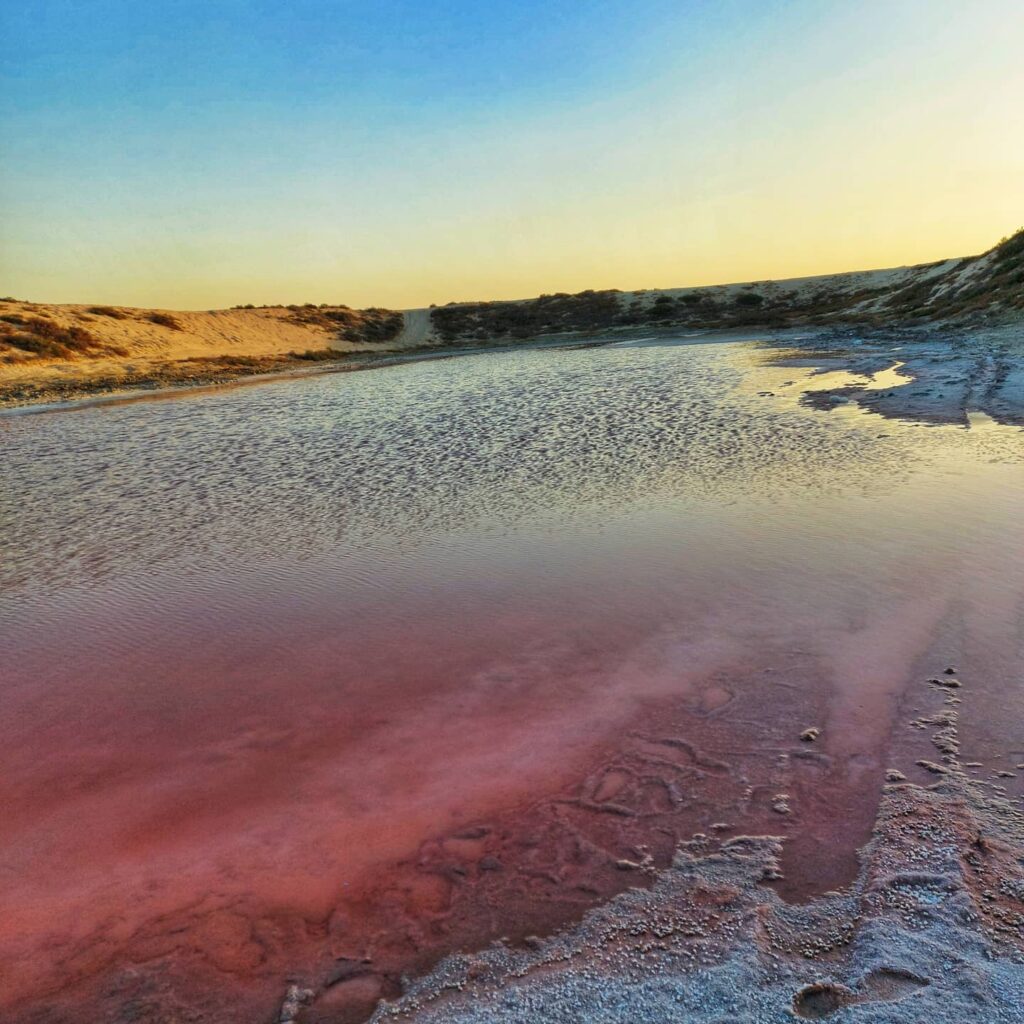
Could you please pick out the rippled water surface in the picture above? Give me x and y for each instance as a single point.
(363, 668)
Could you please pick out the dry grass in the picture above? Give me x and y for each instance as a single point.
(1000, 287)
(24, 337)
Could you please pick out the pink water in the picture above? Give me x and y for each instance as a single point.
(321, 680)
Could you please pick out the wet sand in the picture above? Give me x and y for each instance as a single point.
(343, 688)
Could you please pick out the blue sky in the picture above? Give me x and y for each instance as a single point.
(199, 154)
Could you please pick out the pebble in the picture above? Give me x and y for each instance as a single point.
(295, 999)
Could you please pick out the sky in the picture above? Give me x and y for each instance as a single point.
(193, 154)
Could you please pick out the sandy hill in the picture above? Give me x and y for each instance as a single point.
(57, 351)
(32, 331)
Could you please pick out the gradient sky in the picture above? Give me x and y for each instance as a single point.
(201, 153)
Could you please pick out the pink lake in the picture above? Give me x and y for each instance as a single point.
(321, 680)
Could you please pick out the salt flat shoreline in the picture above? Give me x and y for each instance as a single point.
(931, 928)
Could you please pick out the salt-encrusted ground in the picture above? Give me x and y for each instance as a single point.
(932, 931)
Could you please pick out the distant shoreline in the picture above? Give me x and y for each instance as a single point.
(958, 377)
(62, 353)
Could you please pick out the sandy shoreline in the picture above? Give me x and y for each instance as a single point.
(169, 381)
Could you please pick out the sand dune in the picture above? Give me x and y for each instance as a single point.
(53, 351)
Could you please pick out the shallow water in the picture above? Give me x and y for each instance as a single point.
(363, 668)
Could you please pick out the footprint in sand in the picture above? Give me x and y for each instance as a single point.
(886, 985)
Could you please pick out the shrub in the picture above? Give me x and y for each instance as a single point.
(587, 310)
(749, 299)
(373, 326)
(316, 355)
(46, 339)
(114, 314)
(164, 320)
(661, 312)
